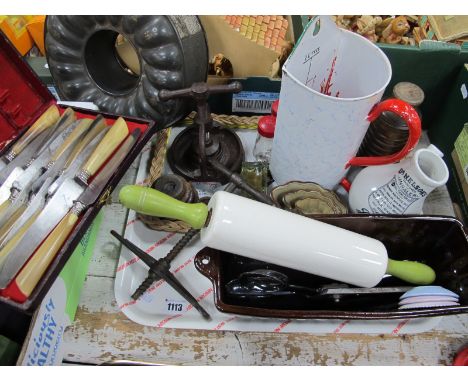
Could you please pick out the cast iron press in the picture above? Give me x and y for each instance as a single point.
(206, 141)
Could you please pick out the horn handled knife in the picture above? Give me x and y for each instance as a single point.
(81, 128)
(46, 120)
(98, 125)
(30, 275)
(106, 147)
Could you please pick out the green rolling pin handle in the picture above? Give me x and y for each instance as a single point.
(152, 202)
(411, 271)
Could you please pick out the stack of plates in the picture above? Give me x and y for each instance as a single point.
(428, 297)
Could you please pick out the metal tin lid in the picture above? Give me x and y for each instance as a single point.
(409, 92)
(177, 187)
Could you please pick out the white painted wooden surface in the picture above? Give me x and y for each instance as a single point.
(101, 333)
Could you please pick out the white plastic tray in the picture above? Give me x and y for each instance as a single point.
(161, 306)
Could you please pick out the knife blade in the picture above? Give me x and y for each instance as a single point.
(25, 157)
(48, 166)
(21, 216)
(21, 160)
(10, 172)
(46, 120)
(60, 203)
(375, 290)
(29, 276)
(21, 230)
(10, 236)
(34, 151)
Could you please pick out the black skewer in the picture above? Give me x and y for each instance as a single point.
(160, 269)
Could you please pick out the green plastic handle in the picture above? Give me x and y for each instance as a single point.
(411, 271)
(149, 201)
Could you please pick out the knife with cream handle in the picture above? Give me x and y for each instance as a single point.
(45, 121)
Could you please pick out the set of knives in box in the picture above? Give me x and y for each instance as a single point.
(48, 179)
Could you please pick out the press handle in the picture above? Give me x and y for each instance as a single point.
(106, 147)
(409, 115)
(200, 90)
(46, 120)
(149, 201)
(411, 271)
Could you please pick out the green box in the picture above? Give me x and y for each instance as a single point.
(446, 128)
(434, 66)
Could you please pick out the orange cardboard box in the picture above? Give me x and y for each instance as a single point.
(35, 28)
(14, 28)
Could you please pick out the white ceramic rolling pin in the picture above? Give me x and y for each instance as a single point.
(242, 226)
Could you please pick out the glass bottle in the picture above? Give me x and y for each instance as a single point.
(264, 140)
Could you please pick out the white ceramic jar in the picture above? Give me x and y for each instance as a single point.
(399, 188)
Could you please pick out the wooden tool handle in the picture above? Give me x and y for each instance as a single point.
(411, 271)
(13, 242)
(30, 275)
(149, 201)
(98, 125)
(46, 120)
(80, 129)
(106, 147)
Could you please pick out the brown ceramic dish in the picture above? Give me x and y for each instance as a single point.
(440, 242)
